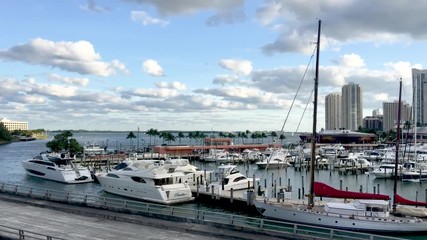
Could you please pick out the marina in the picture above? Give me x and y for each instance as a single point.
(294, 179)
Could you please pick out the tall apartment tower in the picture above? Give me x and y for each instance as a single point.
(332, 111)
(390, 114)
(351, 106)
(419, 100)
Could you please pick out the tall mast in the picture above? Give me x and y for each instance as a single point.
(397, 146)
(314, 135)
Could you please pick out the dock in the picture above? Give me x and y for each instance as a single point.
(33, 213)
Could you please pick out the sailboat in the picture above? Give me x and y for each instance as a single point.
(364, 212)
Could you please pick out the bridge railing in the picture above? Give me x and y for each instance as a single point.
(200, 216)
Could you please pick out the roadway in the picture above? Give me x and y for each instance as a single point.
(73, 222)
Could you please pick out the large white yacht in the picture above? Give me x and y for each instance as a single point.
(157, 184)
(60, 168)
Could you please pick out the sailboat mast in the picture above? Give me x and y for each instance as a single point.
(314, 135)
(397, 146)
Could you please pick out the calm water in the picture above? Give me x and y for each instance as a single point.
(12, 172)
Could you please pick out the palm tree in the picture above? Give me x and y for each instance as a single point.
(232, 136)
(282, 137)
(180, 135)
(273, 135)
(130, 136)
(263, 135)
(152, 132)
(191, 135)
(167, 136)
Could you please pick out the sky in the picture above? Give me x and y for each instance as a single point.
(205, 65)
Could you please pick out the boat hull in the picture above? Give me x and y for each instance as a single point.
(166, 194)
(308, 217)
(77, 175)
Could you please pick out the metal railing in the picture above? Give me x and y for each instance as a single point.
(199, 216)
(16, 233)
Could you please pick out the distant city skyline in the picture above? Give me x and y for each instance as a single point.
(200, 65)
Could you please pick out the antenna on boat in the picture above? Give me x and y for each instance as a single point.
(397, 146)
(314, 136)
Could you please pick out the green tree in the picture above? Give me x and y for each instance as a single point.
(4, 133)
(63, 141)
(130, 136)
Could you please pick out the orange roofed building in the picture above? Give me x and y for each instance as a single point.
(211, 143)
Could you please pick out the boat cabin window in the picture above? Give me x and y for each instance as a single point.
(138, 179)
(163, 181)
(374, 209)
(234, 170)
(43, 163)
(239, 179)
(226, 181)
(112, 175)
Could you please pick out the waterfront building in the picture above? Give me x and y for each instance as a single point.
(333, 111)
(373, 122)
(390, 114)
(14, 125)
(351, 106)
(419, 100)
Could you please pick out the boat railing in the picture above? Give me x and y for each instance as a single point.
(220, 219)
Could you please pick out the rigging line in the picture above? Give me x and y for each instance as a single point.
(296, 94)
(302, 116)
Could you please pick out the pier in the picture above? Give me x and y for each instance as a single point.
(40, 212)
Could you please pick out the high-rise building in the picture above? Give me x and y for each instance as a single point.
(390, 110)
(419, 100)
(376, 112)
(332, 111)
(351, 106)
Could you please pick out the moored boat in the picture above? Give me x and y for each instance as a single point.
(155, 184)
(57, 167)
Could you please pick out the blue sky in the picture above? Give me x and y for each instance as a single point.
(199, 64)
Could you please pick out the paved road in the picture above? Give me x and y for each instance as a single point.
(61, 220)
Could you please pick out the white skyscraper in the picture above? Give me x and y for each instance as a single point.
(419, 100)
(351, 106)
(332, 111)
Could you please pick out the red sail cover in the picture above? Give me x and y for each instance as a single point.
(404, 201)
(323, 190)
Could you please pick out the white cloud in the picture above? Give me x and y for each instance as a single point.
(69, 80)
(77, 56)
(152, 67)
(92, 6)
(171, 85)
(230, 11)
(157, 93)
(346, 21)
(352, 60)
(237, 66)
(145, 19)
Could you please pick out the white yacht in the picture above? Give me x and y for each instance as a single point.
(157, 184)
(277, 159)
(216, 155)
(230, 177)
(60, 168)
(93, 148)
(385, 170)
